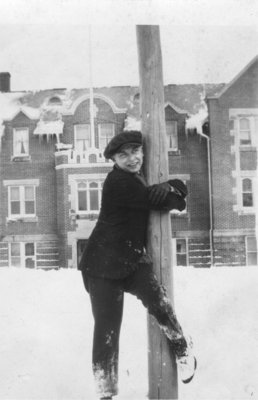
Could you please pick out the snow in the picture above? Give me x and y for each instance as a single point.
(196, 120)
(46, 335)
(9, 104)
(132, 124)
(49, 127)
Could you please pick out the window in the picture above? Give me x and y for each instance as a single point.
(243, 124)
(247, 192)
(181, 252)
(21, 201)
(29, 258)
(251, 250)
(55, 101)
(89, 196)
(82, 137)
(20, 142)
(106, 132)
(172, 135)
(22, 255)
(244, 132)
(15, 256)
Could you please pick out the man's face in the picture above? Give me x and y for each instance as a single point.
(129, 158)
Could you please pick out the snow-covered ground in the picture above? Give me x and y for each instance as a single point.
(46, 334)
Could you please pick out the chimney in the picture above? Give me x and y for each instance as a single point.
(5, 82)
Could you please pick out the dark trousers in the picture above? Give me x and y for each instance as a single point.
(107, 297)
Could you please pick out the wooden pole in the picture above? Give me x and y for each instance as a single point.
(162, 366)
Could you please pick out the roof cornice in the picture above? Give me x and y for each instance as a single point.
(84, 97)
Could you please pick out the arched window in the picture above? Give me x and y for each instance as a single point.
(244, 132)
(55, 101)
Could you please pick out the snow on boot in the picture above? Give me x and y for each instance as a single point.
(186, 367)
(187, 363)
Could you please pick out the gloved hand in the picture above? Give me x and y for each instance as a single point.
(158, 193)
(179, 186)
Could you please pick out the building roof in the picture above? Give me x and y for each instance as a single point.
(50, 104)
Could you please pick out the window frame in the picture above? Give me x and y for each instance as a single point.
(242, 208)
(248, 251)
(249, 131)
(76, 139)
(99, 133)
(186, 252)
(22, 202)
(88, 190)
(246, 192)
(21, 183)
(238, 191)
(15, 131)
(235, 118)
(22, 254)
(174, 138)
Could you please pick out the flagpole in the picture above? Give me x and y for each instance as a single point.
(92, 130)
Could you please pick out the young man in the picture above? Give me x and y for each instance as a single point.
(115, 260)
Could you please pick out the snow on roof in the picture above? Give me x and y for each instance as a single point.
(176, 108)
(197, 120)
(37, 105)
(49, 128)
(9, 105)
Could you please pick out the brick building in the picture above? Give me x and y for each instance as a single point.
(52, 169)
(233, 127)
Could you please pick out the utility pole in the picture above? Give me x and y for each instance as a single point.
(162, 365)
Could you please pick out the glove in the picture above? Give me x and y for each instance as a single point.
(179, 186)
(158, 193)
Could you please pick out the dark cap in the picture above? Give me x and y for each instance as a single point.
(126, 137)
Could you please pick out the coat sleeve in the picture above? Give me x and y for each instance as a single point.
(128, 192)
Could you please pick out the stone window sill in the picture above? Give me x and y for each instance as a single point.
(20, 158)
(21, 219)
(172, 152)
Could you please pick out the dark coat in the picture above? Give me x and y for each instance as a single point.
(117, 242)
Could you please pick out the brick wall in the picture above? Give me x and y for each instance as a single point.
(41, 166)
(229, 251)
(192, 161)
